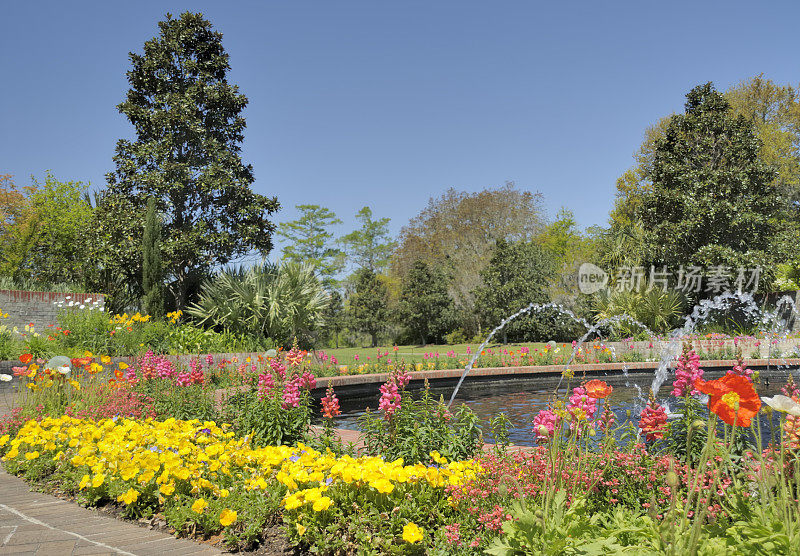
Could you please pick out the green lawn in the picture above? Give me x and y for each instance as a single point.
(415, 353)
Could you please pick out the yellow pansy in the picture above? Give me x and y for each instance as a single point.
(227, 517)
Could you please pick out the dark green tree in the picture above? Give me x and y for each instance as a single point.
(334, 317)
(368, 304)
(152, 273)
(519, 273)
(713, 201)
(186, 155)
(425, 305)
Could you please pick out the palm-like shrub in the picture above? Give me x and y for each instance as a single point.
(658, 309)
(263, 301)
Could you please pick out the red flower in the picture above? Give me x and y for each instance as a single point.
(732, 398)
(653, 420)
(597, 389)
(26, 358)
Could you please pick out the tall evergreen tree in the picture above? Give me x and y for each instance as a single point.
(518, 274)
(713, 201)
(368, 304)
(186, 155)
(425, 306)
(152, 274)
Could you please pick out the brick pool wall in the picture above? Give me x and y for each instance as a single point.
(39, 308)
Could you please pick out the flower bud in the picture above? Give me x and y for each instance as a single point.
(672, 478)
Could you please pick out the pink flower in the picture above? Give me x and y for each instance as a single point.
(544, 424)
(687, 372)
(580, 400)
(291, 393)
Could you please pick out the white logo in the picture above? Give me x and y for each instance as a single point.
(591, 278)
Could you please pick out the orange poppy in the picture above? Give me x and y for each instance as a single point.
(597, 389)
(732, 398)
(118, 373)
(26, 358)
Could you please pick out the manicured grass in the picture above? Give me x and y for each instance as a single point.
(416, 353)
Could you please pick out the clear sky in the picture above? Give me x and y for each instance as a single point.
(386, 104)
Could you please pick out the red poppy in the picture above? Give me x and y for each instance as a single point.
(118, 373)
(732, 398)
(26, 358)
(81, 361)
(597, 389)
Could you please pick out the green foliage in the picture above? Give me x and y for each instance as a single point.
(186, 155)
(713, 199)
(368, 304)
(264, 301)
(309, 241)
(687, 435)
(152, 275)
(187, 338)
(457, 233)
(425, 304)
(518, 274)
(658, 309)
(371, 245)
(334, 318)
(266, 422)
(194, 401)
(44, 240)
(420, 427)
(559, 527)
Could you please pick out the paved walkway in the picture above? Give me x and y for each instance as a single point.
(35, 523)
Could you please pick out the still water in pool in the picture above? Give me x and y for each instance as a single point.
(521, 400)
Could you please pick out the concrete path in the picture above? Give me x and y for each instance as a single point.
(34, 523)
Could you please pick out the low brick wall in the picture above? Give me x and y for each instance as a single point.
(40, 308)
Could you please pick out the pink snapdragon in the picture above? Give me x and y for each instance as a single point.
(266, 385)
(687, 372)
(291, 393)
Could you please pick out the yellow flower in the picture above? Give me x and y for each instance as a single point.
(129, 497)
(167, 489)
(31, 455)
(412, 533)
(227, 517)
(75, 384)
(301, 529)
(98, 480)
(199, 505)
(122, 366)
(84, 482)
(105, 359)
(322, 503)
(292, 502)
(4, 439)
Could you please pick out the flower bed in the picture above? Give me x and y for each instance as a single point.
(204, 480)
(702, 482)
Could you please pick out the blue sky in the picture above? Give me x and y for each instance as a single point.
(389, 103)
